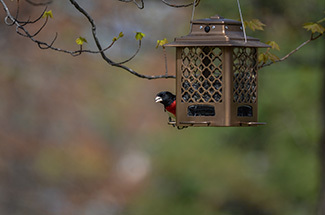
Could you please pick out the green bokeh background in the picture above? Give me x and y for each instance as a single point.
(80, 137)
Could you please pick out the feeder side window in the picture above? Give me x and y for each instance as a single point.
(200, 110)
(201, 78)
(245, 75)
(245, 111)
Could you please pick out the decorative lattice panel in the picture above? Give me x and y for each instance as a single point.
(245, 75)
(201, 71)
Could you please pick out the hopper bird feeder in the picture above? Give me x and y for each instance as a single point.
(216, 74)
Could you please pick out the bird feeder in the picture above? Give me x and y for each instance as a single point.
(216, 74)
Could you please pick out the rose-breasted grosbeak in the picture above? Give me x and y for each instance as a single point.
(169, 101)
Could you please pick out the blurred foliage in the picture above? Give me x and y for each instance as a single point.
(80, 137)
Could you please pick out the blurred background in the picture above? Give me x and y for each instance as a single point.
(78, 137)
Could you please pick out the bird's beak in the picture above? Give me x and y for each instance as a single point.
(158, 99)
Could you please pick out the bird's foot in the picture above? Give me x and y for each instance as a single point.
(171, 122)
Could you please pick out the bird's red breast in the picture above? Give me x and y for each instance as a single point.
(172, 108)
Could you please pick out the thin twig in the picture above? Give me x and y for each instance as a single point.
(34, 21)
(140, 6)
(135, 54)
(180, 5)
(41, 28)
(39, 4)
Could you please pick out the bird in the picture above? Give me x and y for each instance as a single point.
(169, 101)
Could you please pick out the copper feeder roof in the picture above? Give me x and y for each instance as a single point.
(216, 31)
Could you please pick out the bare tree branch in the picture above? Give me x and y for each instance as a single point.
(293, 51)
(104, 56)
(23, 31)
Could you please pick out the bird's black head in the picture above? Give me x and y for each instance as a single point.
(165, 97)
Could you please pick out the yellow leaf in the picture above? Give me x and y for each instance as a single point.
(139, 35)
(259, 25)
(273, 45)
(48, 14)
(119, 36)
(81, 41)
(272, 57)
(262, 58)
(161, 42)
(314, 27)
(254, 24)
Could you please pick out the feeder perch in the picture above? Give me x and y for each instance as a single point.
(216, 75)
